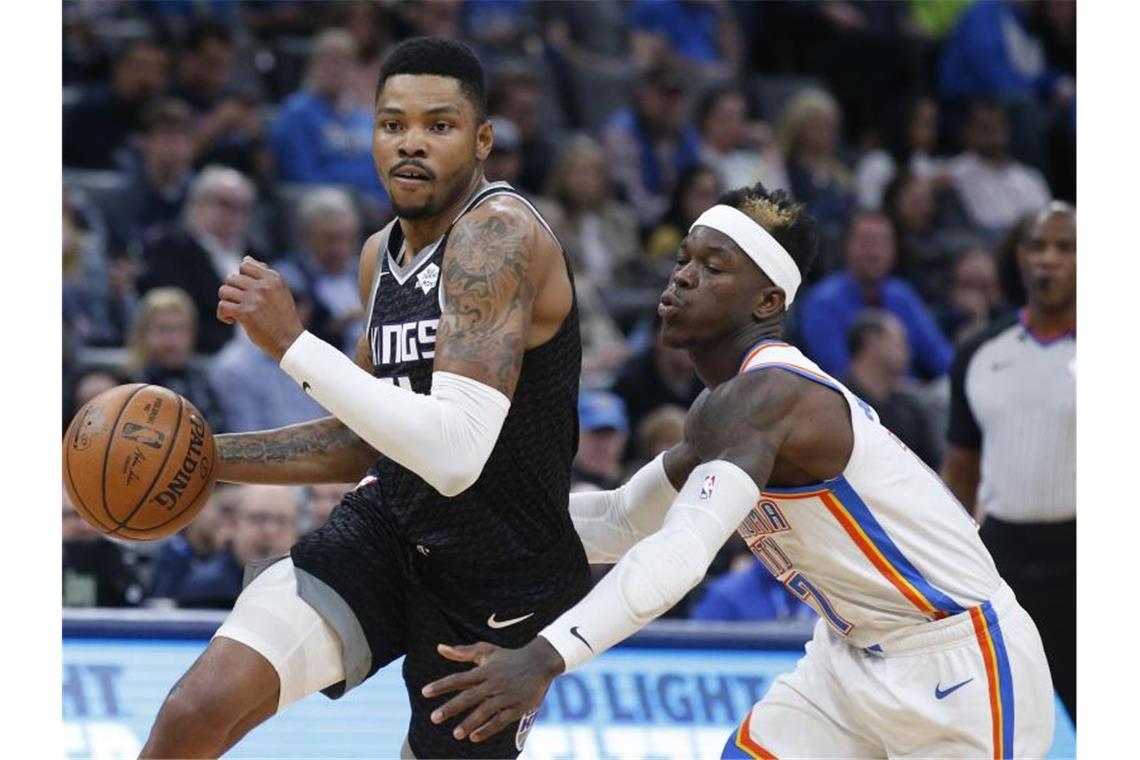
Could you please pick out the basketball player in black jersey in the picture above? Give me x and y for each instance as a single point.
(458, 418)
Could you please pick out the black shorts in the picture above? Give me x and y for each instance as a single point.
(385, 599)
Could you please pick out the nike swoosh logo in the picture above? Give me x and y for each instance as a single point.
(492, 623)
(305, 386)
(575, 634)
(940, 694)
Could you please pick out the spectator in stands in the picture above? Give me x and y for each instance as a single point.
(432, 18)
(504, 164)
(696, 192)
(910, 145)
(749, 593)
(320, 500)
(86, 383)
(96, 313)
(97, 572)
(326, 265)
(598, 232)
(604, 429)
(661, 429)
(649, 145)
(516, 92)
(98, 126)
(161, 183)
(206, 247)
(228, 125)
(371, 25)
(162, 343)
(656, 377)
(995, 188)
(499, 28)
(195, 544)
(975, 298)
(704, 37)
(741, 153)
(321, 136)
(880, 356)
(266, 525)
(829, 308)
(809, 137)
(254, 391)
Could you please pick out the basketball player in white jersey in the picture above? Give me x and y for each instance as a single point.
(921, 648)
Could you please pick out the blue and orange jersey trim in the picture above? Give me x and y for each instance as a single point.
(998, 675)
(744, 742)
(753, 352)
(861, 526)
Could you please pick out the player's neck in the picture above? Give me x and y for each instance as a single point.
(421, 232)
(1051, 321)
(719, 362)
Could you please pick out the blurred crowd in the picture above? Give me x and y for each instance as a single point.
(921, 135)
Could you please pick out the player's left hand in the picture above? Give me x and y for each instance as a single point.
(504, 685)
(257, 298)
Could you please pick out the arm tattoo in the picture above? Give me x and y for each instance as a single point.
(489, 296)
(290, 444)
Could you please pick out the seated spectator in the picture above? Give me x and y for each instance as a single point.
(880, 356)
(228, 125)
(749, 593)
(661, 430)
(499, 27)
(911, 142)
(160, 183)
(97, 572)
(829, 308)
(741, 153)
(649, 144)
(598, 233)
(371, 26)
(98, 126)
(809, 137)
(995, 188)
(195, 544)
(696, 192)
(603, 431)
(326, 265)
(975, 297)
(504, 164)
(320, 501)
(704, 37)
(161, 344)
(208, 244)
(85, 384)
(321, 136)
(516, 93)
(265, 525)
(96, 312)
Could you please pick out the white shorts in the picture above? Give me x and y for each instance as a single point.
(270, 618)
(973, 685)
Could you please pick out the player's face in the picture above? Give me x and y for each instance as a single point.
(427, 146)
(712, 293)
(1048, 259)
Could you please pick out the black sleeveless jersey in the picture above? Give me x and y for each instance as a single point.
(518, 507)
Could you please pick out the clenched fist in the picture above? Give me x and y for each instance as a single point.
(256, 298)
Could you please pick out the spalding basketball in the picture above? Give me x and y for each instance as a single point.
(138, 462)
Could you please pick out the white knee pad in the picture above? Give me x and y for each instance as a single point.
(270, 618)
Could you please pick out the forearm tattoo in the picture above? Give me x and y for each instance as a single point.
(289, 444)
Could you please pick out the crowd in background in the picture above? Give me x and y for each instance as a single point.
(921, 135)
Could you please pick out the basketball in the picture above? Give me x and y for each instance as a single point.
(138, 462)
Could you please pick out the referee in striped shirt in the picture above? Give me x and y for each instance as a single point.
(1012, 436)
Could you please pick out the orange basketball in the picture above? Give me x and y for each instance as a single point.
(138, 462)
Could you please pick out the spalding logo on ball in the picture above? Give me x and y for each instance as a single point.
(138, 462)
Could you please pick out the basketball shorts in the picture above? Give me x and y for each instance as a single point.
(382, 599)
(973, 685)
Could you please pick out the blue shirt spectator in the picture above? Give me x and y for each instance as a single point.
(690, 28)
(749, 594)
(827, 310)
(320, 135)
(214, 584)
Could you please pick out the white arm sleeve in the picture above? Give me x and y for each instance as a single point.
(610, 522)
(445, 438)
(658, 571)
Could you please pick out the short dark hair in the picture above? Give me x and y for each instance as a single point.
(166, 114)
(441, 57)
(861, 214)
(206, 30)
(710, 99)
(785, 220)
(870, 323)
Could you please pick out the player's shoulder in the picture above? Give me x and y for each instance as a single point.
(748, 403)
(502, 230)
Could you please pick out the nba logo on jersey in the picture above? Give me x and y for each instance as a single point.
(427, 279)
(708, 486)
(525, 724)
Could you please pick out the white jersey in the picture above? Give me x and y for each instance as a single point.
(880, 549)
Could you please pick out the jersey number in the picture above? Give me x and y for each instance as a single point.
(804, 589)
(402, 381)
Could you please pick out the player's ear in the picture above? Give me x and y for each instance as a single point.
(769, 303)
(484, 139)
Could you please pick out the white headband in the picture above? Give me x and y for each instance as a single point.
(760, 246)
